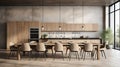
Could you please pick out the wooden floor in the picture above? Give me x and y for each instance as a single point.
(113, 60)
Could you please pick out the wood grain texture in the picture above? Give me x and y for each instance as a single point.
(18, 32)
(52, 27)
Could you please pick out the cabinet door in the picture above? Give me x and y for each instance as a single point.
(33, 24)
(52, 27)
(21, 32)
(87, 27)
(95, 27)
(69, 27)
(77, 27)
(11, 33)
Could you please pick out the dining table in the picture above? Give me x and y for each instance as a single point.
(51, 45)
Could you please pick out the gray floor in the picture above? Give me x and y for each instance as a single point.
(113, 60)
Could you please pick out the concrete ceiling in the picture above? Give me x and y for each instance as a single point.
(55, 2)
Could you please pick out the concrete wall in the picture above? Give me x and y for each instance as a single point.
(65, 14)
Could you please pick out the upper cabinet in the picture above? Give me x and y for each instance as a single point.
(67, 27)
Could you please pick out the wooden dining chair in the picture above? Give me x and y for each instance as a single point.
(58, 48)
(102, 50)
(74, 47)
(27, 49)
(88, 48)
(41, 48)
(13, 49)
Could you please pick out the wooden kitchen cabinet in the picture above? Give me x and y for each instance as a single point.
(52, 26)
(67, 27)
(95, 27)
(77, 27)
(19, 32)
(87, 27)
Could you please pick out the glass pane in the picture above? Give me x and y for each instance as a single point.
(112, 8)
(117, 5)
(112, 22)
(117, 27)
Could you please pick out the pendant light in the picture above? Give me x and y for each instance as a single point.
(42, 15)
(59, 14)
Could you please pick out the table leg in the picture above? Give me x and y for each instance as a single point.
(98, 52)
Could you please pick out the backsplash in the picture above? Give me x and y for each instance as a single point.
(71, 34)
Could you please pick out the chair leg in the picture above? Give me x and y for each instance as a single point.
(69, 55)
(45, 55)
(81, 52)
(84, 55)
(101, 53)
(104, 54)
(78, 56)
(95, 55)
(66, 51)
(55, 55)
(62, 55)
(92, 55)
(9, 54)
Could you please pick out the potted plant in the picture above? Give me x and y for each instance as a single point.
(107, 38)
(44, 36)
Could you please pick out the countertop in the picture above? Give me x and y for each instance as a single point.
(70, 38)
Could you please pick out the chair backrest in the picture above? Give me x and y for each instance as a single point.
(26, 47)
(41, 47)
(12, 44)
(33, 43)
(74, 47)
(58, 46)
(88, 47)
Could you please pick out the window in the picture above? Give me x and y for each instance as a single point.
(117, 5)
(114, 20)
(112, 8)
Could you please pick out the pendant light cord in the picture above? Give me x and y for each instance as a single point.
(42, 14)
(59, 14)
(83, 14)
